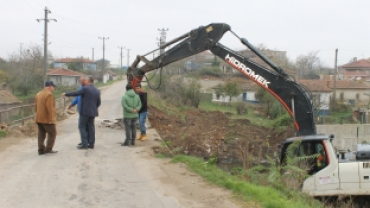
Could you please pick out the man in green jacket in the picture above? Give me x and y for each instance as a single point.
(131, 105)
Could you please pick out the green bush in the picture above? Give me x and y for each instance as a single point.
(283, 120)
(341, 108)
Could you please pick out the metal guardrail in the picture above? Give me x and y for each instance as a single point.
(21, 113)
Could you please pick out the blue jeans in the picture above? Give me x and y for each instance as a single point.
(130, 128)
(142, 118)
(86, 125)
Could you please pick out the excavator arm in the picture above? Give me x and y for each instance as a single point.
(291, 94)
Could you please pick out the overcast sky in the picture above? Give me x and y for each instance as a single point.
(295, 26)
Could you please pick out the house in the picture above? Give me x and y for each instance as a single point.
(75, 64)
(99, 64)
(112, 75)
(321, 95)
(64, 77)
(248, 93)
(350, 92)
(356, 75)
(356, 70)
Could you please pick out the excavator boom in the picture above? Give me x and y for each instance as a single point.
(290, 93)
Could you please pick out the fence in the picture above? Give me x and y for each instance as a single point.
(21, 113)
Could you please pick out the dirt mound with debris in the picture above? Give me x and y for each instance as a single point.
(204, 134)
(8, 98)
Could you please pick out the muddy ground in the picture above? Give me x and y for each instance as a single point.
(206, 134)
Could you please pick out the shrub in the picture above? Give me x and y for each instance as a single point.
(241, 108)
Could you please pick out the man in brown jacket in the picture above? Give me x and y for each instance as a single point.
(46, 118)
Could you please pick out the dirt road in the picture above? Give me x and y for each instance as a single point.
(108, 176)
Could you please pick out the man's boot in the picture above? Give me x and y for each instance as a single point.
(140, 137)
(143, 137)
(133, 142)
(126, 143)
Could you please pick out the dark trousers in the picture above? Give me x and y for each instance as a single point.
(130, 128)
(52, 134)
(86, 125)
(79, 121)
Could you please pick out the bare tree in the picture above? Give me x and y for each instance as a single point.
(24, 72)
(307, 65)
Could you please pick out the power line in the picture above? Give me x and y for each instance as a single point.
(20, 11)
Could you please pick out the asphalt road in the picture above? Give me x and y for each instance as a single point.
(108, 176)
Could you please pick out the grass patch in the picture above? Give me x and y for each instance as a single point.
(207, 105)
(264, 195)
(3, 134)
(160, 155)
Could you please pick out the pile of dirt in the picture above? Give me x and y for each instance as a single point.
(205, 134)
(30, 129)
(8, 98)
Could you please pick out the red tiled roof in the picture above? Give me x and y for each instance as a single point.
(70, 60)
(348, 84)
(363, 63)
(316, 85)
(63, 72)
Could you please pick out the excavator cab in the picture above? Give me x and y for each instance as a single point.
(308, 152)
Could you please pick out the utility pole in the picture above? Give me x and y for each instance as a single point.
(128, 57)
(121, 60)
(335, 76)
(103, 56)
(162, 39)
(92, 54)
(46, 21)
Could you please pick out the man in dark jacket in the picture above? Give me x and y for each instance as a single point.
(143, 112)
(77, 101)
(90, 101)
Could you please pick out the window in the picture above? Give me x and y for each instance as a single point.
(322, 158)
(357, 96)
(311, 156)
